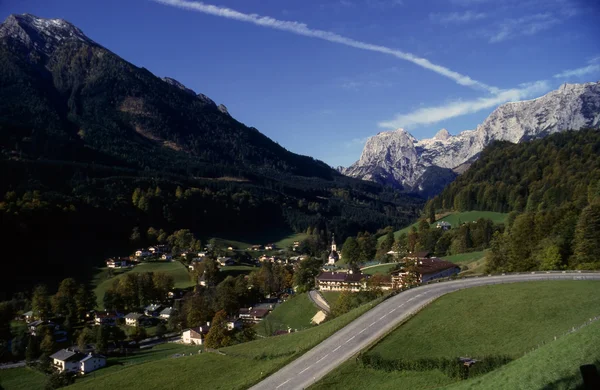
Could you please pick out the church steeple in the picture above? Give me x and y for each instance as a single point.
(333, 246)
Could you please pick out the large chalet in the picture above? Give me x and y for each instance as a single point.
(427, 269)
(340, 281)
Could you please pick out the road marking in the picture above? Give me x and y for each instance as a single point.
(393, 310)
(323, 357)
(362, 330)
(373, 323)
(350, 339)
(301, 372)
(382, 317)
(283, 383)
(338, 347)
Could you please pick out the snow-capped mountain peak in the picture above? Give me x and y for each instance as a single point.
(39, 33)
(397, 158)
(442, 135)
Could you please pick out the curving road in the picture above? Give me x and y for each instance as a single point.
(374, 324)
(316, 297)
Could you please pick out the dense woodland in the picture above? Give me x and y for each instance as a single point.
(551, 187)
(92, 146)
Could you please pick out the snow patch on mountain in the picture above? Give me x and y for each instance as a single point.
(41, 34)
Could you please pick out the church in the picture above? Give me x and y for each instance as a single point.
(333, 255)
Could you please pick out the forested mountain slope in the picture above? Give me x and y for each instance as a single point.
(552, 189)
(81, 129)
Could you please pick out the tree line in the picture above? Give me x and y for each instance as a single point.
(551, 187)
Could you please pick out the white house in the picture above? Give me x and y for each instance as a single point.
(201, 254)
(443, 225)
(117, 262)
(142, 253)
(152, 310)
(91, 362)
(158, 249)
(167, 256)
(133, 319)
(167, 313)
(66, 360)
(106, 318)
(194, 336)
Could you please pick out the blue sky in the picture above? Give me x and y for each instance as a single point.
(319, 77)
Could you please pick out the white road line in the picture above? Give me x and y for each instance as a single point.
(283, 383)
(350, 339)
(362, 330)
(373, 323)
(382, 317)
(301, 372)
(323, 357)
(393, 310)
(338, 347)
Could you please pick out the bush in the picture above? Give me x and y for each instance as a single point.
(452, 367)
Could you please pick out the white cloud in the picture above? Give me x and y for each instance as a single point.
(593, 68)
(302, 29)
(356, 85)
(456, 17)
(356, 142)
(429, 115)
(527, 25)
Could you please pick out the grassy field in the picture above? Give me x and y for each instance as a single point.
(295, 313)
(21, 379)
(379, 269)
(282, 242)
(331, 296)
(503, 320)
(236, 270)
(553, 366)
(465, 258)
(454, 218)
(27, 379)
(174, 268)
(241, 366)
(470, 216)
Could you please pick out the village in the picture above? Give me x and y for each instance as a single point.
(128, 329)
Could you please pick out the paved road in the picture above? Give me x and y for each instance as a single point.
(318, 300)
(12, 365)
(374, 324)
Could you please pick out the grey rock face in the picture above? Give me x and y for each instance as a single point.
(399, 159)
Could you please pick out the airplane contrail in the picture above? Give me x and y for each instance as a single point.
(302, 29)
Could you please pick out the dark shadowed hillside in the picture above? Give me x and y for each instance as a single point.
(81, 129)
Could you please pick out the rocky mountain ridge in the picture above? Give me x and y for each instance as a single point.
(399, 159)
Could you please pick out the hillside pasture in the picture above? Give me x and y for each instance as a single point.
(509, 319)
(379, 269)
(455, 219)
(22, 378)
(241, 365)
(174, 268)
(295, 313)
